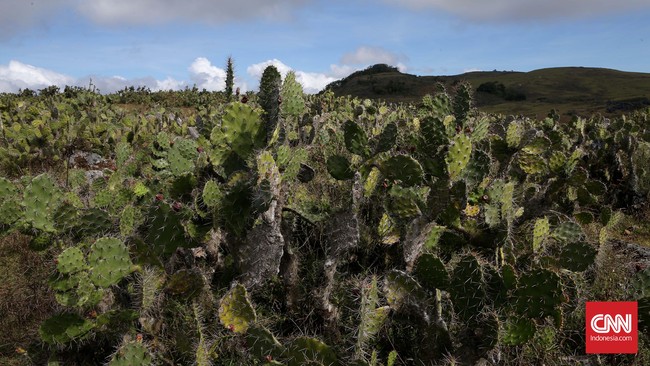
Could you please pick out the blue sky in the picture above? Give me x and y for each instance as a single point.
(166, 44)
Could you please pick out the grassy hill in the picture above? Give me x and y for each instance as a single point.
(570, 90)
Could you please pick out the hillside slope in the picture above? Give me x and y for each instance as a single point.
(570, 90)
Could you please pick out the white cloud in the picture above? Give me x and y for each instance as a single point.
(19, 15)
(17, 75)
(521, 10)
(209, 77)
(311, 82)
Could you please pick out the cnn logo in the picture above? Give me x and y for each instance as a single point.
(612, 327)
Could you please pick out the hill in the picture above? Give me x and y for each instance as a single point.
(570, 90)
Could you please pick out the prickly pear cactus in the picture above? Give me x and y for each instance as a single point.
(241, 131)
(235, 310)
(460, 151)
(64, 328)
(109, 261)
(40, 199)
(131, 354)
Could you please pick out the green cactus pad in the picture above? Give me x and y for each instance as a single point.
(293, 102)
(400, 288)
(211, 194)
(460, 151)
(187, 283)
(467, 288)
(181, 157)
(310, 351)
(404, 169)
(434, 134)
(262, 343)
(356, 140)
(235, 310)
(514, 134)
(577, 256)
(402, 203)
(128, 220)
(40, 243)
(339, 167)
(94, 222)
(431, 272)
(481, 129)
(568, 232)
(70, 261)
(132, 354)
(110, 262)
(540, 233)
(532, 163)
(241, 131)
(518, 331)
(557, 162)
(539, 294)
(41, 199)
(386, 139)
(63, 328)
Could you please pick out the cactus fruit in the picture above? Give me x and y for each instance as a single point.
(404, 169)
(460, 151)
(339, 167)
(310, 351)
(63, 328)
(131, 354)
(41, 198)
(235, 310)
(540, 233)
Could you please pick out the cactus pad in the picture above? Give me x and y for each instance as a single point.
(431, 272)
(467, 287)
(235, 310)
(404, 169)
(539, 294)
(356, 140)
(109, 261)
(540, 233)
(63, 328)
(310, 351)
(131, 354)
(577, 256)
(386, 139)
(568, 232)
(339, 167)
(41, 198)
(460, 151)
(70, 261)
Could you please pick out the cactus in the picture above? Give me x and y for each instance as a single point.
(402, 203)
(41, 199)
(518, 331)
(577, 256)
(539, 294)
(235, 310)
(212, 194)
(293, 102)
(109, 262)
(400, 289)
(460, 151)
(568, 232)
(356, 140)
(230, 79)
(514, 134)
(339, 167)
(241, 132)
(557, 162)
(433, 134)
(186, 283)
(540, 233)
(386, 139)
(10, 210)
(269, 99)
(131, 354)
(468, 288)
(310, 351)
(532, 163)
(372, 317)
(94, 222)
(262, 344)
(63, 328)
(181, 157)
(404, 169)
(70, 261)
(431, 273)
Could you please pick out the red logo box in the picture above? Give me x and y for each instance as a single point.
(612, 327)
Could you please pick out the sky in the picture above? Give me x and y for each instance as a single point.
(174, 44)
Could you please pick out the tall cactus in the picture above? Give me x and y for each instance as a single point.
(269, 99)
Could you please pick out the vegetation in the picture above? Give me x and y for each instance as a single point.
(291, 229)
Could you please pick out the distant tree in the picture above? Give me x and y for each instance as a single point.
(230, 78)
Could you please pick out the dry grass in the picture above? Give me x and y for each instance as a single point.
(25, 297)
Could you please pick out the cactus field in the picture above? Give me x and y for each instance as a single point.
(281, 228)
